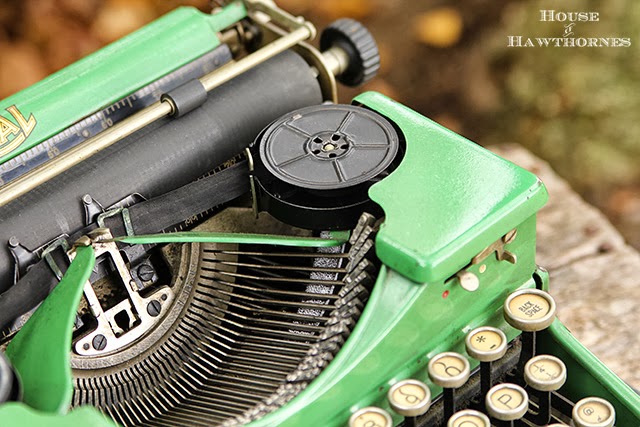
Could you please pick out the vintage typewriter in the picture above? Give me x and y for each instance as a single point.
(194, 233)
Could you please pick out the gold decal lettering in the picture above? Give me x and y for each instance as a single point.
(12, 135)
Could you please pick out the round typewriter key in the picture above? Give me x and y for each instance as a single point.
(410, 398)
(530, 310)
(507, 402)
(371, 416)
(449, 370)
(593, 412)
(545, 373)
(486, 344)
(469, 418)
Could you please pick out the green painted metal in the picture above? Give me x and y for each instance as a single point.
(439, 214)
(110, 74)
(588, 376)
(228, 15)
(448, 199)
(242, 238)
(40, 351)
(15, 414)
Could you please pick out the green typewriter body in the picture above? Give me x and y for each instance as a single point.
(195, 233)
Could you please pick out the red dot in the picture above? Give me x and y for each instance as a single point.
(445, 294)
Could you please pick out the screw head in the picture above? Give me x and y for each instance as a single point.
(99, 342)
(153, 308)
(145, 272)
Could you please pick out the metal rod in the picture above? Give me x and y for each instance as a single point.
(83, 151)
(234, 69)
(137, 121)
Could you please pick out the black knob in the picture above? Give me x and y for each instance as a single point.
(359, 45)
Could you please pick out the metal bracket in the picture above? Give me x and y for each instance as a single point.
(499, 248)
(469, 280)
(277, 15)
(126, 219)
(60, 242)
(92, 208)
(129, 319)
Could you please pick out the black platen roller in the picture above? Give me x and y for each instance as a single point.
(161, 157)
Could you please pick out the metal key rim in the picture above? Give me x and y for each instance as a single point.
(410, 410)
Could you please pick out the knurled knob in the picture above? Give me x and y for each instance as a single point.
(359, 45)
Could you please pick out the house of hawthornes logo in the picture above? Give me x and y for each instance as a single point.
(570, 21)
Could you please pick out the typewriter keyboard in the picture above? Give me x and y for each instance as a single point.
(512, 386)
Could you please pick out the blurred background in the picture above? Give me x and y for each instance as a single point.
(578, 108)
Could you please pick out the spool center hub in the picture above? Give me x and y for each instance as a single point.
(328, 145)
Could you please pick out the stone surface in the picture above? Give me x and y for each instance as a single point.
(594, 275)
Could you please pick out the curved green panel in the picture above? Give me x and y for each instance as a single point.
(448, 199)
(40, 351)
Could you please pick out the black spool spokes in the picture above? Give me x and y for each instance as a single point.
(329, 147)
(315, 165)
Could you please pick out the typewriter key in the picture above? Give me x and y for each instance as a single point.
(469, 418)
(449, 370)
(371, 416)
(544, 374)
(409, 398)
(530, 310)
(486, 344)
(507, 402)
(593, 412)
